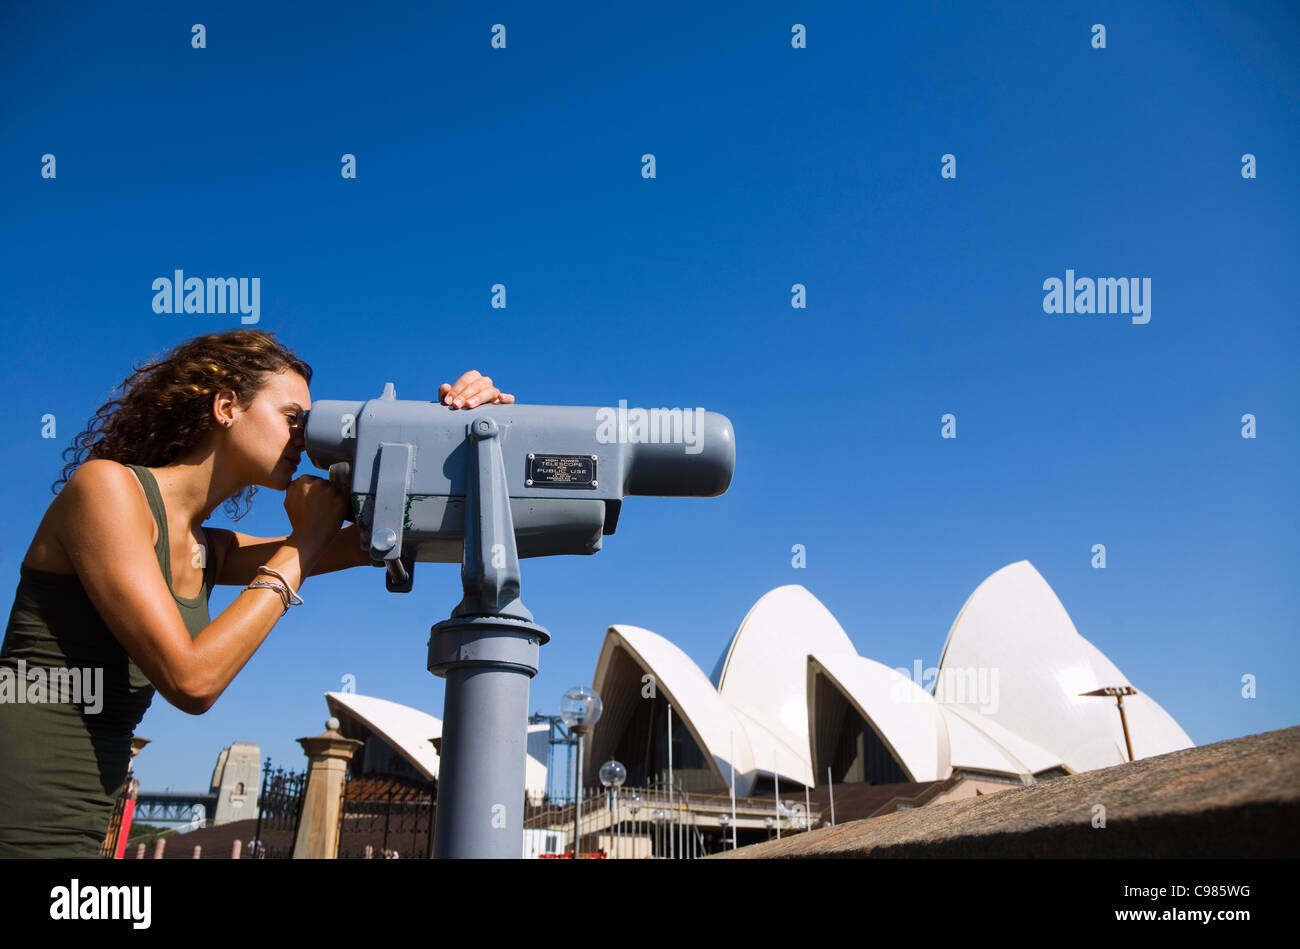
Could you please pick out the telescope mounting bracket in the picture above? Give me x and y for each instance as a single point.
(394, 469)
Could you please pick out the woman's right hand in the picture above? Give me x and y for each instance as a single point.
(316, 508)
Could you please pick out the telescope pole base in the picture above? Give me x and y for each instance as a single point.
(487, 662)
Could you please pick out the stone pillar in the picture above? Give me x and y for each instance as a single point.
(328, 755)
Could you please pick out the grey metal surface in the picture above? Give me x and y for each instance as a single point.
(548, 518)
(488, 662)
(488, 651)
(487, 486)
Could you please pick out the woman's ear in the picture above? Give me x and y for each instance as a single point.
(224, 403)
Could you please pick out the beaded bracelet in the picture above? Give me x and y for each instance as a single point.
(294, 598)
(278, 588)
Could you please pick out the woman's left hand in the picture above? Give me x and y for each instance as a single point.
(472, 389)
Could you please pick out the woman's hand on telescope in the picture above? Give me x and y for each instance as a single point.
(472, 389)
(316, 508)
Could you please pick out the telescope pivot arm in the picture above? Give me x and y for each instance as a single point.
(490, 564)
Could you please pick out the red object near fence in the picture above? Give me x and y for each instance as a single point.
(124, 831)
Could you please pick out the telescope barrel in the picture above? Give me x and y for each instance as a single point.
(671, 470)
(566, 469)
(327, 432)
(647, 452)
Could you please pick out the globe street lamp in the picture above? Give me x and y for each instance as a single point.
(580, 708)
(613, 774)
(658, 817)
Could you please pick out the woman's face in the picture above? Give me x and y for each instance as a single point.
(268, 435)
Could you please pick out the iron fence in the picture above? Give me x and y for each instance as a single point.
(657, 821)
(278, 813)
(389, 818)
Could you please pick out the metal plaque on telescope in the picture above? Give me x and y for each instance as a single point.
(561, 471)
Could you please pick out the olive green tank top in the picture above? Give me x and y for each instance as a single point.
(65, 732)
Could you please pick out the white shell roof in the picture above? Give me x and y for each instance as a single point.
(764, 669)
(408, 731)
(979, 743)
(1014, 624)
(902, 713)
(774, 750)
(681, 682)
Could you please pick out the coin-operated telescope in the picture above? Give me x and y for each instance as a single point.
(488, 486)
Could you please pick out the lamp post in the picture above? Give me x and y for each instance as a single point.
(580, 710)
(613, 774)
(830, 787)
(658, 817)
(634, 808)
(1119, 691)
(672, 838)
(776, 794)
(731, 771)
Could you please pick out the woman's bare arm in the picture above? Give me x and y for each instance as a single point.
(107, 536)
(240, 555)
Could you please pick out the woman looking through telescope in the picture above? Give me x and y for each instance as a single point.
(118, 575)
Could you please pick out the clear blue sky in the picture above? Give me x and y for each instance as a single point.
(775, 166)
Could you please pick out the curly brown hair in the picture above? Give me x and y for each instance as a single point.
(166, 405)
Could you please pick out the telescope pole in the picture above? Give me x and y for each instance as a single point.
(487, 651)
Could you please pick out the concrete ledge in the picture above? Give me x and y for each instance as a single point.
(1236, 798)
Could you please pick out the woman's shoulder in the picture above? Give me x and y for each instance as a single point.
(95, 469)
(97, 484)
(100, 485)
(100, 479)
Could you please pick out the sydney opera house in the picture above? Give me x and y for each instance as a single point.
(791, 700)
(791, 703)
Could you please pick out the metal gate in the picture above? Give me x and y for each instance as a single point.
(278, 813)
